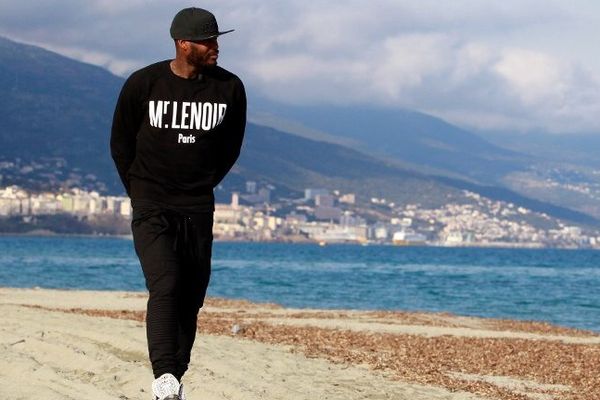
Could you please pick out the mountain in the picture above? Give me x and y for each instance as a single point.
(563, 170)
(410, 137)
(293, 162)
(55, 107)
(59, 108)
(580, 149)
(57, 121)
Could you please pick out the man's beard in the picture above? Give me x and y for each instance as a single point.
(198, 60)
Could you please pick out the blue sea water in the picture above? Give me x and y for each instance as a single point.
(558, 286)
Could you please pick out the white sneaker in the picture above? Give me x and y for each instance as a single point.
(167, 387)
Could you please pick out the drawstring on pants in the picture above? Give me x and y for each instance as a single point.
(184, 235)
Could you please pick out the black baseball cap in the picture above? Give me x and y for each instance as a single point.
(195, 24)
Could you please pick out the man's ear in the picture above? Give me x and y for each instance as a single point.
(182, 44)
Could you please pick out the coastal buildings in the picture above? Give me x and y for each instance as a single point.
(329, 216)
(17, 201)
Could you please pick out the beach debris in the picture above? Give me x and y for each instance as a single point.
(237, 329)
(18, 342)
(444, 360)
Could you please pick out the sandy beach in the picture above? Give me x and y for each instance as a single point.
(59, 344)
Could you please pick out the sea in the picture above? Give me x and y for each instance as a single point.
(552, 285)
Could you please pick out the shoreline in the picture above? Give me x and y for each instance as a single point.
(73, 341)
(490, 245)
(391, 311)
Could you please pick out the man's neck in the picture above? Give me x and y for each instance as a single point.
(183, 69)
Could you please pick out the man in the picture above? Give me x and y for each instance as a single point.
(177, 130)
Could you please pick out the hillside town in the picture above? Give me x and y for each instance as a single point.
(327, 216)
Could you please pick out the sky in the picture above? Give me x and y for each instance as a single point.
(486, 65)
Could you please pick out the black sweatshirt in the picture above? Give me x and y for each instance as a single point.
(174, 139)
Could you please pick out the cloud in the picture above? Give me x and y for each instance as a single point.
(535, 77)
(520, 89)
(485, 65)
(118, 66)
(451, 60)
(407, 61)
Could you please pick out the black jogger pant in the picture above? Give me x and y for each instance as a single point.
(175, 253)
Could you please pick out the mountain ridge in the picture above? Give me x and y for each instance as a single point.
(409, 136)
(64, 109)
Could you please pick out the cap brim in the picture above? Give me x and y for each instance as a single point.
(214, 36)
(206, 37)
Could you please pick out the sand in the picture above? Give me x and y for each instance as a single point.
(59, 344)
